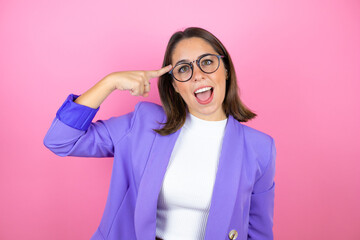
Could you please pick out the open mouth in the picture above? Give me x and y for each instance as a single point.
(204, 95)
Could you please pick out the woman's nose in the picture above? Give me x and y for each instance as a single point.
(197, 74)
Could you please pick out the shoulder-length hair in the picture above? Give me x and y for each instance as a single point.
(173, 104)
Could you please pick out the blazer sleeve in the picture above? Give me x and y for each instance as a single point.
(262, 202)
(72, 132)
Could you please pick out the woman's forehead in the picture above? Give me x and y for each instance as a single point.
(190, 49)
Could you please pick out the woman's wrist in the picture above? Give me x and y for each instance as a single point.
(97, 94)
(109, 82)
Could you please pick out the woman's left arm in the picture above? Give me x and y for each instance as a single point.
(262, 202)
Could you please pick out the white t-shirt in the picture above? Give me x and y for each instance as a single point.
(185, 197)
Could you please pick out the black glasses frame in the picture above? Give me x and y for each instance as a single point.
(198, 64)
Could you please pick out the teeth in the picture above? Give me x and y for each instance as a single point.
(203, 89)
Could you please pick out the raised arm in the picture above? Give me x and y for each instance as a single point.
(72, 132)
(136, 82)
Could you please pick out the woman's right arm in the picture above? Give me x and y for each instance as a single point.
(136, 82)
(72, 133)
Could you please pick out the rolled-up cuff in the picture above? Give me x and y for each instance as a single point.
(76, 115)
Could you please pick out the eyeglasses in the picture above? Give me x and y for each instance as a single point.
(207, 63)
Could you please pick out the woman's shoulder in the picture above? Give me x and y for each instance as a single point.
(145, 106)
(145, 116)
(260, 143)
(256, 135)
(149, 111)
(261, 156)
(148, 114)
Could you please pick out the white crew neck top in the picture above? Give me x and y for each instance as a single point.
(185, 197)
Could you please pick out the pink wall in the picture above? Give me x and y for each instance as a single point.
(298, 64)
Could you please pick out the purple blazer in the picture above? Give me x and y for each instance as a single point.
(243, 195)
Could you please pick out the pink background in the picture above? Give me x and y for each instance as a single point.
(298, 64)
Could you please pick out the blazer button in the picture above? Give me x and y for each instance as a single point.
(233, 234)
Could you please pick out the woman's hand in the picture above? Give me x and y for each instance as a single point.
(137, 82)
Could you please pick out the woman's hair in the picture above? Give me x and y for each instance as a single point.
(173, 104)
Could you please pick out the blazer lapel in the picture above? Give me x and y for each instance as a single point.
(225, 188)
(150, 185)
(226, 182)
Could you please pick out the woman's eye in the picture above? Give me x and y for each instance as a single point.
(183, 69)
(206, 62)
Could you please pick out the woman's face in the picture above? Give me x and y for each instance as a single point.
(206, 105)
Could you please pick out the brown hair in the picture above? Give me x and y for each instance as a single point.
(173, 104)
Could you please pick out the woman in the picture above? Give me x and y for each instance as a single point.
(185, 170)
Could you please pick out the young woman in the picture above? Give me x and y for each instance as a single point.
(188, 169)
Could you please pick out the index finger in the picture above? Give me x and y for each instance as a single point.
(158, 73)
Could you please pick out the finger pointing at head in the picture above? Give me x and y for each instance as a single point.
(146, 89)
(158, 73)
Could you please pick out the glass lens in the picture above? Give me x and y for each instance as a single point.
(209, 63)
(182, 72)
